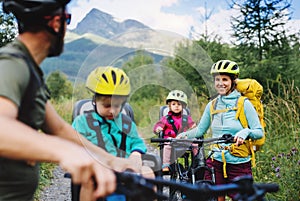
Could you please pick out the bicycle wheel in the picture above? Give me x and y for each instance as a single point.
(207, 197)
(179, 174)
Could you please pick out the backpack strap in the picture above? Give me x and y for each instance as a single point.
(214, 111)
(126, 123)
(96, 126)
(240, 110)
(171, 121)
(183, 125)
(126, 128)
(35, 82)
(240, 113)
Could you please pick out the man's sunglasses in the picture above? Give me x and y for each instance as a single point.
(67, 18)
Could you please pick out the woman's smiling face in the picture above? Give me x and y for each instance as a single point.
(223, 84)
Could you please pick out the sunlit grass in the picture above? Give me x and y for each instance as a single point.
(278, 161)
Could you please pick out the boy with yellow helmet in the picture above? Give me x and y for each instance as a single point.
(106, 126)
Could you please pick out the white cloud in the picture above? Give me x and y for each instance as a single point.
(217, 24)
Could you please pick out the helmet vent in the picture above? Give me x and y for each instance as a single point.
(114, 77)
(235, 67)
(226, 64)
(219, 65)
(121, 79)
(214, 66)
(104, 77)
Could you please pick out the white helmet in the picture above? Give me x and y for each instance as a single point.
(178, 96)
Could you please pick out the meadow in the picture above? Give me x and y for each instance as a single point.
(277, 162)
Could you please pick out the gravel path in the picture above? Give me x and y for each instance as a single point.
(59, 189)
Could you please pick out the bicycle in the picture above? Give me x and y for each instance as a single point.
(139, 188)
(189, 172)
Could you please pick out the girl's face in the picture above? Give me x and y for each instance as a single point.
(175, 106)
(109, 107)
(222, 84)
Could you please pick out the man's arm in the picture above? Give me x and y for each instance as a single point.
(55, 125)
(21, 142)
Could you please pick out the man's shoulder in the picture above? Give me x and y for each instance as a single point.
(14, 55)
(14, 47)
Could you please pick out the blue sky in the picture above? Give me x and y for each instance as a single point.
(177, 16)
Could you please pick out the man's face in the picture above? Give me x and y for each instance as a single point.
(57, 43)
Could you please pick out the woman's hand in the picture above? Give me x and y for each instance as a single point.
(182, 136)
(238, 140)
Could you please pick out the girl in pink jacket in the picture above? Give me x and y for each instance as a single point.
(174, 122)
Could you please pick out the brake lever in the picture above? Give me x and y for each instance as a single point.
(228, 138)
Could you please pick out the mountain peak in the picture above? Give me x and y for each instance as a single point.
(105, 25)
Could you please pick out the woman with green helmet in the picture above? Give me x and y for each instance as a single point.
(226, 165)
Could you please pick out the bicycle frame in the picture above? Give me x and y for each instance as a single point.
(188, 172)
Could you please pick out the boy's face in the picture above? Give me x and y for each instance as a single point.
(175, 106)
(109, 106)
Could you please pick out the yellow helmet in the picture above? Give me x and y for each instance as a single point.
(108, 81)
(225, 66)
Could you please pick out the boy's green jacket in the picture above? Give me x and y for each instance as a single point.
(111, 133)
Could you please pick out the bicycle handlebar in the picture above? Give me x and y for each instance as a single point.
(227, 138)
(141, 188)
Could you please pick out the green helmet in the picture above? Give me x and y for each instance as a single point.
(225, 66)
(178, 96)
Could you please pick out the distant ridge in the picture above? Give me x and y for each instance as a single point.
(117, 40)
(105, 25)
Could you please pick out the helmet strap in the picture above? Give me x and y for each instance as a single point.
(59, 42)
(94, 105)
(233, 85)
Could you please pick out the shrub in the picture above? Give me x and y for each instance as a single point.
(279, 161)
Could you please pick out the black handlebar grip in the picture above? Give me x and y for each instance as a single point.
(157, 140)
(268, 187)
